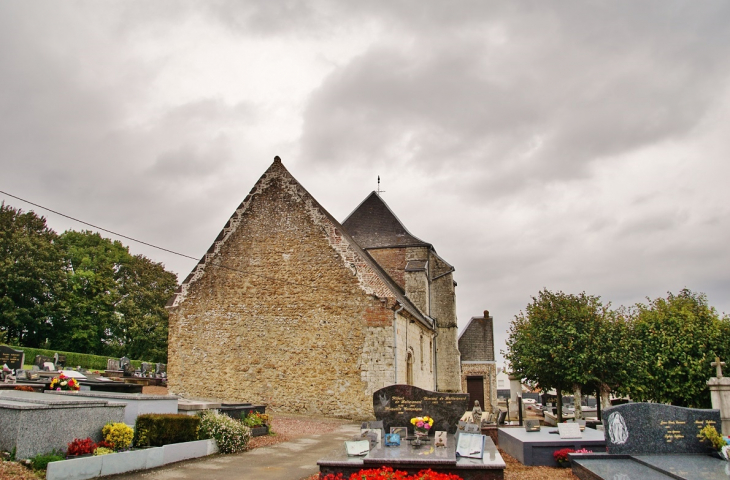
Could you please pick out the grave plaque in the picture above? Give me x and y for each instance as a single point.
(569, 430)
(397, 404)
(654, 428)
(13, 358)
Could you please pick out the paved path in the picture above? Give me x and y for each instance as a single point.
(291, 460)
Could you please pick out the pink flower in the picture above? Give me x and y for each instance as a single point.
(419, 424)
(58, 389)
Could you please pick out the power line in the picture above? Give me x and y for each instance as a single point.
(219, 265)
(98, 227)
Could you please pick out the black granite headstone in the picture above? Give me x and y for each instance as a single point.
(397, 404)
(654, 428)
(13, 358)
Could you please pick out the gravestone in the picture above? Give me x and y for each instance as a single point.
(145, 369)
(41, 361)
(113, 364)
(59, 360)
(126, 365)
(655, 428)
(161, 368)
(12, 358)
(397, 404)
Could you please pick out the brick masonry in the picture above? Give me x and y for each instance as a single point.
(285, 310)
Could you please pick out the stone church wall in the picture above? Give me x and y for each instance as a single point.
(293, 319)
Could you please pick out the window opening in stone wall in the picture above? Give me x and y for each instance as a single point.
(409, 368)
(430, 354)
(421, 347)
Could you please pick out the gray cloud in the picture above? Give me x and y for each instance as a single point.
(574, 146)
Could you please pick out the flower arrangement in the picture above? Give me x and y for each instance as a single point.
(255, 419)
(387, 473)
(62, 382)
(421, 425)
(117, 436)
(561, 456)
(231, 435)
(81, 447)
(583, 450)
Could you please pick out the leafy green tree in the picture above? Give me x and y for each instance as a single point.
(141, 331)
(31, 277)
(89, 305)
(680, 336)
(553, 344)
(615, 356)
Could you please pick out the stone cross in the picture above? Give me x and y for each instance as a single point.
(718, 364)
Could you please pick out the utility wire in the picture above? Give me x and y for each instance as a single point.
(171, 251)
(98, 227)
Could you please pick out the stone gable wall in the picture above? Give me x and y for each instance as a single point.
(297, 320)
(393, 261)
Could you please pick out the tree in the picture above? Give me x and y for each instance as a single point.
(31, 277)
(554, 343)
(141, 331)
(680, 336)
(90, 301)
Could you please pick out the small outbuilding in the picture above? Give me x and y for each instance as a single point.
(478, 367)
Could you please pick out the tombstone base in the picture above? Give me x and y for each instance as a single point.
(536, 448)
(412, 460)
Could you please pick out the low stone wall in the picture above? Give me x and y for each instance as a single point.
(114, 463)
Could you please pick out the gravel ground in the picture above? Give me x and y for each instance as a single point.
(16, 471)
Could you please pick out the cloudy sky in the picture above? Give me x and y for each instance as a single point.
(571, 145)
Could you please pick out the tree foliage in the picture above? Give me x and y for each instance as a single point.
(555, 343)
(680, 336)
(658, 352)
(31, 277)
(82, 292)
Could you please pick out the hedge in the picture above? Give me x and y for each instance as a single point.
(90, 362)
(157, 429)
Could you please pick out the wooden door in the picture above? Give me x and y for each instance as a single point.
(475, 389)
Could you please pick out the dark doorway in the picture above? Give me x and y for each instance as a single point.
(475, 389)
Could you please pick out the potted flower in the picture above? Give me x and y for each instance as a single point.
(421, 426)
(561, 456)
(62, 382)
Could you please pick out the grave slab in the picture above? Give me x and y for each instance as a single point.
(412, 460)
(536, 448)
(136, 404)
(649, 467)
(34, 423)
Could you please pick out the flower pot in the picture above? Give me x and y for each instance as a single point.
(564, 464)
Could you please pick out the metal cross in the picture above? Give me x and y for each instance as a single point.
(718, 364)
(379, 191)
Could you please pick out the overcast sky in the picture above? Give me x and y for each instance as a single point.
(570, 145)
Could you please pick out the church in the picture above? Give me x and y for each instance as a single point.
(292, 309)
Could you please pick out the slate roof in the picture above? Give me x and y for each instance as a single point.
(476, 342)
(373, 225)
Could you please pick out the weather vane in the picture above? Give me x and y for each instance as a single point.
(379, 191)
